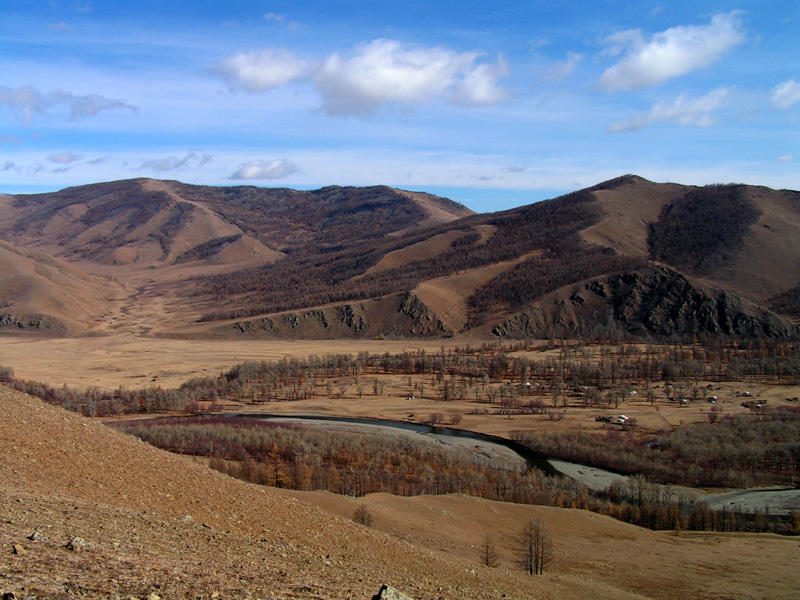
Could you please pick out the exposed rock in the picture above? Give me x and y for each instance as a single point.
(318, 315)
(33, 323)
(399, 315)
(266, 325)
(18, 549)
(37, 537)
(77, 544)
(9, 596)
(387, 592)
(349, 318)
(654, 302)
(426, 323)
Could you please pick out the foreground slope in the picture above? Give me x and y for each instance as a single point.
(656, 564)
(155, 522)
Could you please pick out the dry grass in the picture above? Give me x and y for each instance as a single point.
(652, 564)
(65, 476)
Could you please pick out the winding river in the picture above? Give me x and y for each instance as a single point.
(511, 455)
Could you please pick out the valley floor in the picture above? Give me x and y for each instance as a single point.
(157, 523)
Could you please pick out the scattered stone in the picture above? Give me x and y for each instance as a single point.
(387, 592)
(37, 537)
(154, 596)
(9, 596)
(76, 544)
(186, 518)
(18, 549)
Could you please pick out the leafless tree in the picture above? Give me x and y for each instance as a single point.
(536, 547)
(362, 516)
(489, 556)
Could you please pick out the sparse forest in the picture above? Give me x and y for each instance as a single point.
(303, 457)
(757, 445)
(734, 451)
(549, 227)
(703, 230)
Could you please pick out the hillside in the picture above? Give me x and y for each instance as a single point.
(150, 522)
(158, 523)
(340, 262)
(40, 294)
(656, 302)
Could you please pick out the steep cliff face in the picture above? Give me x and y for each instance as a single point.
(654, 302)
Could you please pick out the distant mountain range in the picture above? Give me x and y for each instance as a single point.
(627, 257)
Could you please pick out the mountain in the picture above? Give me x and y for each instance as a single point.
(370, 262)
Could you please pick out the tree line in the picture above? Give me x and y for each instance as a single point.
(734, 451)
(300, 457)
(488, 373)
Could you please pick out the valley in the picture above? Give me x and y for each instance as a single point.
(633, 332)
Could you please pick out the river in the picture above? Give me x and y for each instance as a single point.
(508, 454)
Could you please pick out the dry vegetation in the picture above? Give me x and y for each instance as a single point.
(702, 232)
(738, 438)
(155, 523)
(705, 412)
(177, 259)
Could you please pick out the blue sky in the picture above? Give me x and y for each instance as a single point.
(494, 104)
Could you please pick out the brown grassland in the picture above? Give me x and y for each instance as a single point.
(66, 476)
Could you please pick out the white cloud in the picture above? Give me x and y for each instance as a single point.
(262, 69)
(670, 53)
(786, 158)
(64, 158)
(28, 102)
(683, 111)
(172, 163)
(562, 70)
(261, 169)
(388, 72)
(274, 17)
(9, 139)
(786, 94)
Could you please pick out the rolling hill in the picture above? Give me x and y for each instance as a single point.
(92, 513)
(372, 262)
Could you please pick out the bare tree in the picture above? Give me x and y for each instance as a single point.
(536, 547)
(362, 516)
(489, 556)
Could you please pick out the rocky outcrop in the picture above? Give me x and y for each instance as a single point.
(387, 592)
(402, 315)
(351, 319)
(33, 323)
(424, 322)
(656, 302)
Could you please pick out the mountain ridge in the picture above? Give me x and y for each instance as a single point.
(240, 255)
